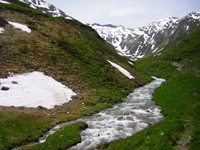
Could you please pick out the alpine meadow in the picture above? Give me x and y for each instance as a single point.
(67, 85)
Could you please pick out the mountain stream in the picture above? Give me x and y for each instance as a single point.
(123, 120)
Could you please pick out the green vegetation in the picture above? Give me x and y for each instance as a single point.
(71, 53)
(178, 97)
(23, 8)
(15, 127)
(180, 105)
(75, 55)
(64, 138)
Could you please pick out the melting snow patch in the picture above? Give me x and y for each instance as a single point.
(20, 26)
(187, 27)
(5, 2)
(158, 79)
(33, 90)
(140, 56)
(122, 70)
(130, 62)
(1, 30)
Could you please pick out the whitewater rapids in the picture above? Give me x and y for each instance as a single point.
(135, 113)
(123, 120)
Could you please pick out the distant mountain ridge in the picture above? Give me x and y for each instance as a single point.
(46, 8)
(139, 42)
(148, 40)
(76, 56)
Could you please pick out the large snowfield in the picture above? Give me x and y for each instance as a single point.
(33, 90)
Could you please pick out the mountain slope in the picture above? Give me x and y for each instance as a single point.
(148, 40)
(46, 8)
(70, 52)
(178, 97)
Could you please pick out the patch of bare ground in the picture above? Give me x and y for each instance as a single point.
(185, 139)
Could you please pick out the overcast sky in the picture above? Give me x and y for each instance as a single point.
(129, 13)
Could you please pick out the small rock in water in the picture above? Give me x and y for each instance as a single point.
(120, 118)
(88, 142)
(14, 82)
(129, 118)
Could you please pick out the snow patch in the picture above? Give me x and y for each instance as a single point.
(1, 30)
(5, 2)
(196, 15)
(36, 3)
(130, 62)
(33, 90)
(155, 50)
(140, 56)
(122, 70)
(20, 26)
(158, 79)
(115, 35)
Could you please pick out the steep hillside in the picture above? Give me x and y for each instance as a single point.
(179, 99)
(70, 52)
(149, 40)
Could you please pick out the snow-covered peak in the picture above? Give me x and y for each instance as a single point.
(167, 22)
(100, 26)
(114, 35)
(161, 24)
(122, 38)
(148, 40)
(109, 26)
(194, 15)
(46, 8)
(37, 3)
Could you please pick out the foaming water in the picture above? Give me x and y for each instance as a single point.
(123, 120)
(135, 113)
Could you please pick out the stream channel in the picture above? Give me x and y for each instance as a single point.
(123, 120)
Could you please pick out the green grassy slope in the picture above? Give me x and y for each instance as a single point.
(179, 99)
(62, 139)
(66, 50)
